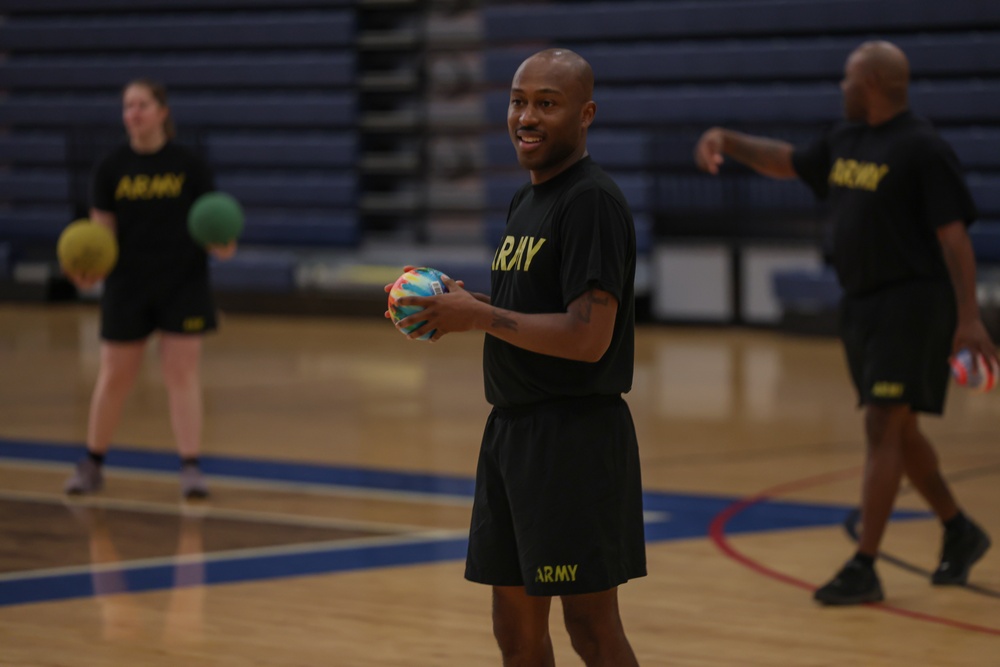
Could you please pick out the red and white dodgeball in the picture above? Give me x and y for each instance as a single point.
(975, 371)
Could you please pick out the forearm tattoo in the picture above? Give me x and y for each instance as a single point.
(583, 308)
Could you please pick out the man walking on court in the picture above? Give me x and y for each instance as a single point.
(558, 502)
(903, 256)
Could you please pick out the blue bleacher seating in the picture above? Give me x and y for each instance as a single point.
(975, 146)
(226, 32)
(985, 236)
(256, 271)
(215, 72)
(284, 227)
(268, 94)
(619, 150)
(271, 97)
(755, 193)
(302, 190)
(33, 149)
(267, 110)
(100, 6)
(606, 21)
(985, 190)
(764, 59)
(34, 186)
(41, 223)
(295, 150)
(689, 192)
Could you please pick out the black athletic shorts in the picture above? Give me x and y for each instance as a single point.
(558, 506)
(898, 341)
(132, 309)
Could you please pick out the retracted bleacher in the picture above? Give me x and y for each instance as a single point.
(268, 95)
(666, 71)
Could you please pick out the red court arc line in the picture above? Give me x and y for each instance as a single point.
(717, 532)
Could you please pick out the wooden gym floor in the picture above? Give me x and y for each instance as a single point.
(342, 455)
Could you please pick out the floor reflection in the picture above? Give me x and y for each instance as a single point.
(120, 615)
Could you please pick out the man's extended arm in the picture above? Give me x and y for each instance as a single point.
(770, 157)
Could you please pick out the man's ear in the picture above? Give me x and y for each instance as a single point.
(587, 114)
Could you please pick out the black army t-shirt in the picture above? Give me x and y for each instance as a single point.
(150, 195)
(564, 237)
(890, 188)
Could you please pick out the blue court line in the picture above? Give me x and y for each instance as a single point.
(140, 578)
(255, 469)
(688, 516)
(691, 515)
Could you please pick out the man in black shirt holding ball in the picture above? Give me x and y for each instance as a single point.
(905, 262)
(558, 503)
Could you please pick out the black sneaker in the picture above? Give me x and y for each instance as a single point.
(854, 584)
(959, 551)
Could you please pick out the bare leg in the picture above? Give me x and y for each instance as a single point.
(521, 626)
(185, 614)
(884, 427)
(120, 363)
(920, 462)
(120, 617)
(180, 358)
(595, 627)
(856, 582)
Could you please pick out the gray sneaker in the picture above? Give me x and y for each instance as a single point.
(193, 483)
(87, 478)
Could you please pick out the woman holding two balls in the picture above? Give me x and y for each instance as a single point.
(142, 191)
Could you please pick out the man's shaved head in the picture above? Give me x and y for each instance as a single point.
(876, 83)
(889, 66)
(569, 67)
